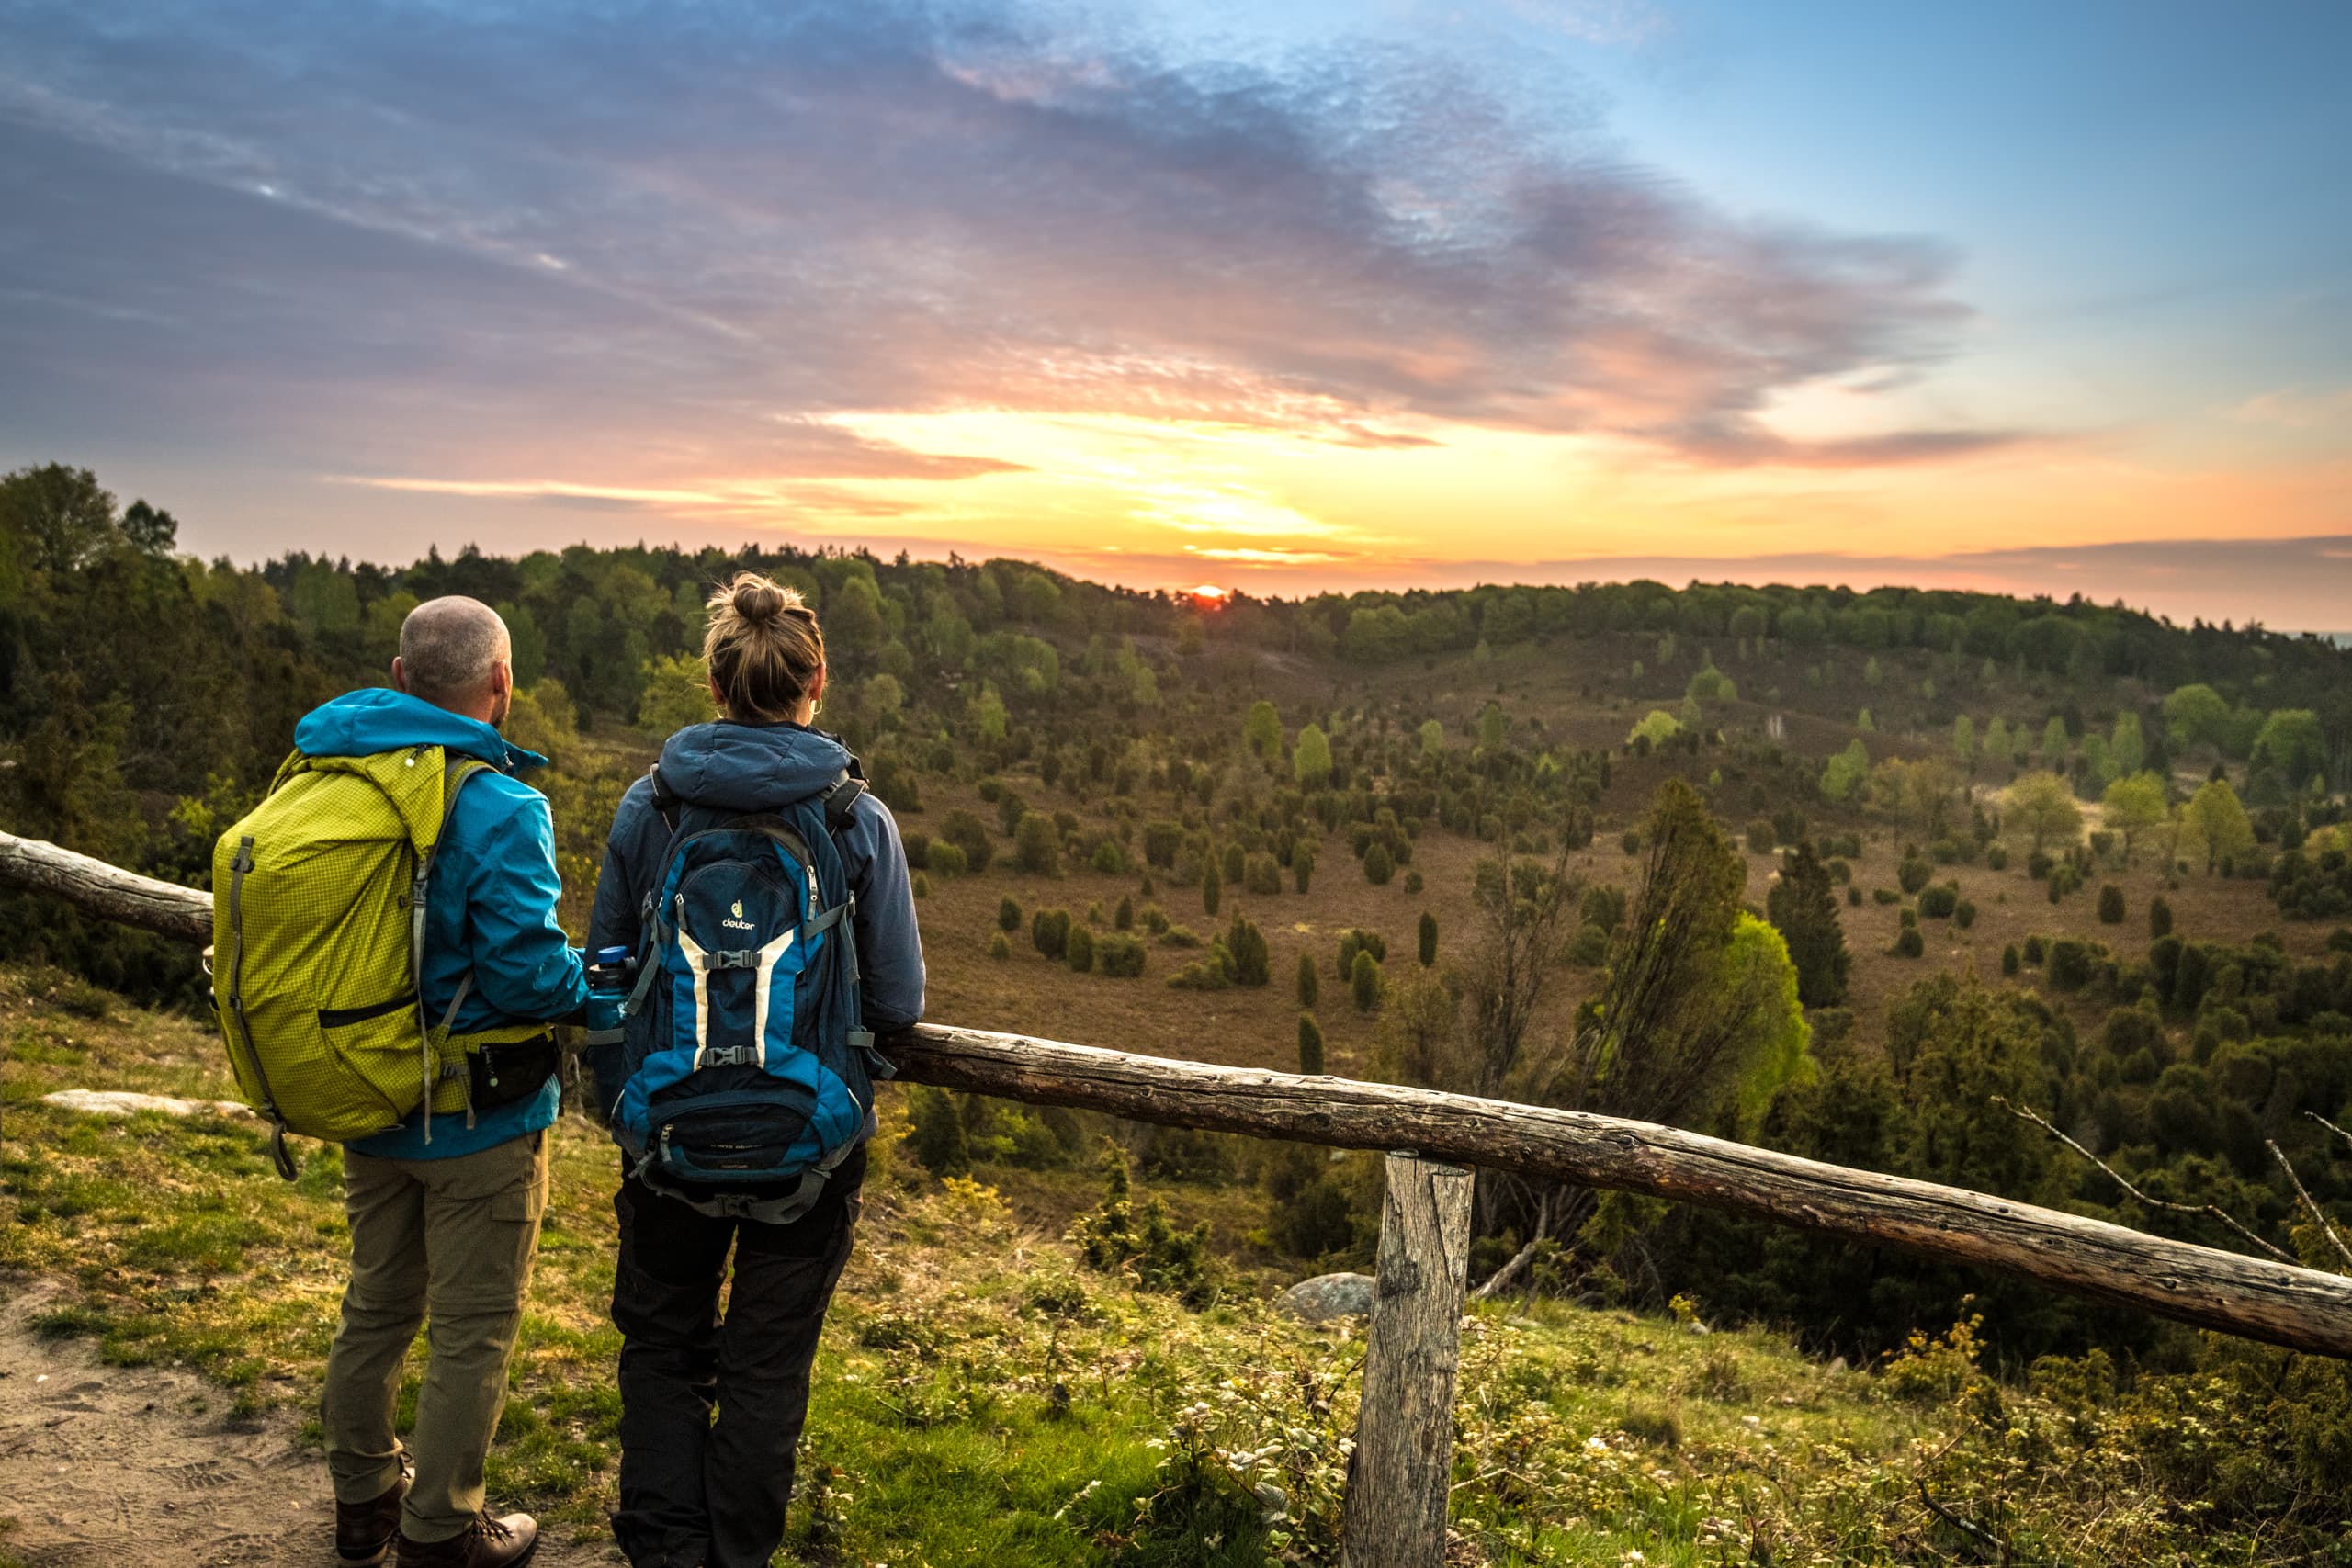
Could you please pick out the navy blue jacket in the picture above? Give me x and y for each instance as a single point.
(761, 767)
(492, 907)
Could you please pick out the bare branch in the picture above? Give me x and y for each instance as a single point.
(2329, 1125)
(2210, 1210)
(2316, 1212)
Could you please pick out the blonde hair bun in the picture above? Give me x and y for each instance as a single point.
(762, 648)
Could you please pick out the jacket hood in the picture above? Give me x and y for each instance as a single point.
(749, 767)
(380, 719)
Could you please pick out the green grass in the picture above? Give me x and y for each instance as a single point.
(981, 1397)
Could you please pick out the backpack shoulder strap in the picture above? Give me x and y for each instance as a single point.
(665, 799)
(842, 795)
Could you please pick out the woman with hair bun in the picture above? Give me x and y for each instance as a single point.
(742, 1116)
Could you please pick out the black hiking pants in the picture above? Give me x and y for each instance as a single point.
(699, 1491)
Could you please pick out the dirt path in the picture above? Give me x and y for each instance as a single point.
(112, 1467)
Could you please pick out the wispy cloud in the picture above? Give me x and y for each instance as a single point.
(402, 229)
(2298, 409)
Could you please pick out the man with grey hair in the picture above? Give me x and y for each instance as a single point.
(444, 1210)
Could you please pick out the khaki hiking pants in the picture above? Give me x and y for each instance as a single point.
(454, 1237)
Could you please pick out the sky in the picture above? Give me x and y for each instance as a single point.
(2031, 298)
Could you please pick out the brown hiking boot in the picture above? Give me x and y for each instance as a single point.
(364, 1531)
(485, 1543)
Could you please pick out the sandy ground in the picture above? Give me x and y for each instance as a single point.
(106, 1467)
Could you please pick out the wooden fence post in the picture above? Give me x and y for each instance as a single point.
(1403, 1470)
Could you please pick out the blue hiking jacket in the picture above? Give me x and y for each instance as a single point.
(760, 767)
(490, 910)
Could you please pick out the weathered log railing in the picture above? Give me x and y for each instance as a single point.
(2258, 1298)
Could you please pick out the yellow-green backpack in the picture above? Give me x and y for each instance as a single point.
(318, 937)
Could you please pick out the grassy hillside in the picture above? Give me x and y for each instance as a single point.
(983, 1397)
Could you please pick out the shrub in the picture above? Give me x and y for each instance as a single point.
(2010, 959)
(1247, 946)
(1008, 914)
(1310, 1045)
(1937, 903)
(1262, 875)
(1038, 845)
(1914, 872)
(1364, 981)
(948, 860)
(1180, 936)
(1212, 888)
(2037, 949)
(1302, 866)
(1212, 971)
(1311, 983)
(1155, 919)
(2110, 905)
(1762, 837)
(1853, 894)
(1119, 955)
(1359, 940)
(1429, 939)
(1630, 842)
(1109, 858)
(1000, 948)
(1049, 931)
(917, 848)
(1377, 867)
(1078, 949)
(2159, 917)
(1413, 882)
(971, 835)
(1963, 914)
(1589, 947)
(2070, 964)
(1161, 839)
(1908, 943)
(1882, 896)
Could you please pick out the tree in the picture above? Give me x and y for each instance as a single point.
(1363, 981)
(1995, 749)
(1920, 792)
(1956, 1048)
(1773, 1050)
(1261, 731)
(2053, 744)
(1377, 865)
(1078, 949)
(1212, 885)
(2214, 825)
(1845, 772)
(1656, 728)
(1432, 737)
(2043, 804)
(1008, 914)
(2131, 806)
(935, 1133)
(1658, 1038)
(2292, 746)
(1803, 904)
(2127, 748)
(1418, 1029)
(1429, 939)
(1493, 727)
(676, 693)
(2196, 715)
(1310, 1046)
(1963, 741)
(1311, 983)
(1310, 760)
(1302, 865)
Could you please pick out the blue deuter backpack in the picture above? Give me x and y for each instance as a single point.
(750, 1073)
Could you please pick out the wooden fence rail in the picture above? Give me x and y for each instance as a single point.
(2256, 1297)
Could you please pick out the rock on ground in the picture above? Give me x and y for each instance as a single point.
(1328, 1296)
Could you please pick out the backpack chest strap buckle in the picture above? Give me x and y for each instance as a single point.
(737, 958)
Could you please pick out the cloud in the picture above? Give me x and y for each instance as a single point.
(682, 235)
(2297, 408)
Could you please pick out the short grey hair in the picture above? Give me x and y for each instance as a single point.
(448, 645)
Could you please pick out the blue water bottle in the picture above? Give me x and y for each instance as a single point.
(609, 976)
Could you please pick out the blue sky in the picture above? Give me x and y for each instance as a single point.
(1294, 296)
